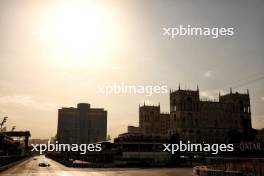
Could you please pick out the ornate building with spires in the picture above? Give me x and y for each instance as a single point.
(199, 120)
(195, 119)
(151, 122)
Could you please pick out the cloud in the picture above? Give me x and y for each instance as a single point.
(207, 94)
(262, 98)
(110, 67)
(208, 73)
(95, 66)
(26, 101)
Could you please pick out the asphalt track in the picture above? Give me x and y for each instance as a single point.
(30, 168)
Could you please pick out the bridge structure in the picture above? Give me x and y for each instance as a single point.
(24, 134)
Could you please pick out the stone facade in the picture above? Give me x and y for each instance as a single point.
(152, 121)
(199, 120)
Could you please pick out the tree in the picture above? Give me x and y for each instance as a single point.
(108, 138)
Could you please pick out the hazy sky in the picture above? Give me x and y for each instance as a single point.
(56, 53)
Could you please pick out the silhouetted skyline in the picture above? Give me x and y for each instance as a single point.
(55, 54)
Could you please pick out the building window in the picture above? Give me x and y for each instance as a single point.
(183, 121)
(241, 106)
(216, 124)
(196, 122)
(189, 104)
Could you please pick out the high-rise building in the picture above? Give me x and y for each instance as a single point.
(81, 125)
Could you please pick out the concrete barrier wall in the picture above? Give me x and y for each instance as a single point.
(13, 164)
(204, 171)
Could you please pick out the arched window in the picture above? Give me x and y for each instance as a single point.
(183, 121)
(189, 104)
(241, 106)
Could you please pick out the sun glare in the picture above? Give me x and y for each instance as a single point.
(79, 33)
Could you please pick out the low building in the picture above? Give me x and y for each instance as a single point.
(38, 141)
(131, 149)
(134, 130)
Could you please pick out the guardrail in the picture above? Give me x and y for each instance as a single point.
(204, 171)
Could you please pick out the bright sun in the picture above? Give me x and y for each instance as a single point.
(79, 33)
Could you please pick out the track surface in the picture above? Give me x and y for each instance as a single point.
(30, 168)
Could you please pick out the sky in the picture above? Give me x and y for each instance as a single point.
(55, 54)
